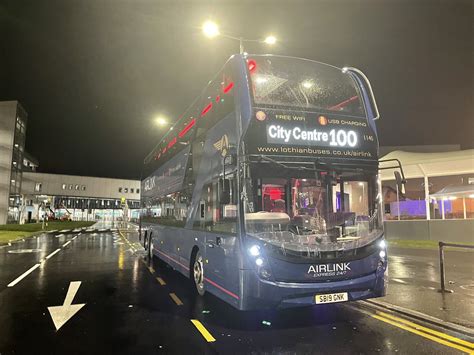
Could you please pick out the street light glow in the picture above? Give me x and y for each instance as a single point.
(270, 40)
(210, 29)
(161, 121)
(307, 84)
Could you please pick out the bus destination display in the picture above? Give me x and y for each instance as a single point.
(283, 133)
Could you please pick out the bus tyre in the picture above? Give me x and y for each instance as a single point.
(198, 274)
(150, 249)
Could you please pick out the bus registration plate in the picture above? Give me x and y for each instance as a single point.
(331, 298)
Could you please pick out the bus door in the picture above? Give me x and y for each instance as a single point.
(219, 219)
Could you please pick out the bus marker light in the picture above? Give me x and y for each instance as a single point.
(264, 322)
(172, 142)
(206, 109)
(252, 65)
(228, 88)
(187, 128)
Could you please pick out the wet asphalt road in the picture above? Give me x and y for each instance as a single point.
(129, 311)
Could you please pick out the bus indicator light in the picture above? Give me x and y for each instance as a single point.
(187, 128)
(228, 88)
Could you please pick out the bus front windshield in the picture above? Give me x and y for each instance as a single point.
(303, 213)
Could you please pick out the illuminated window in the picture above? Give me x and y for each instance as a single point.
(38, 187)
(64, 186)
(125, 190)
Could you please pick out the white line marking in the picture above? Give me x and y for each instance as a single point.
(53, 253)
(66, 244)
(400, 281)
(74, 238)
(22, 276)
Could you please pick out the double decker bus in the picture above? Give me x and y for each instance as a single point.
(265, 192)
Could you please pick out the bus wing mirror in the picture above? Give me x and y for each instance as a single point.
(400, 182)
(364, 82)
(224, 191)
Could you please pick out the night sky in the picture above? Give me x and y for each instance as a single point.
(93, 74)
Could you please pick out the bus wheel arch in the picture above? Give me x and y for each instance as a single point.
(196, 271)
(145, 239)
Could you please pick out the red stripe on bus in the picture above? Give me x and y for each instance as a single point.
(206, 109)
(221, 288)
(205, 279)
(169, 257)
(228, 88)
(343, 103)
(187, 128)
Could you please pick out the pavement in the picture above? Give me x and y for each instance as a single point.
(415, 281)
(108, 299)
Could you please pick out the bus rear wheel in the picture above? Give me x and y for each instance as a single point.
(198, 274)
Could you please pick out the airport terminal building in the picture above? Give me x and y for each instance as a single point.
(78, 197)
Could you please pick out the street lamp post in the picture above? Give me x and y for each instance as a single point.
(211, 30)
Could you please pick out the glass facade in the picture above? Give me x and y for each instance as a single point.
(437, 197)
(14, 201)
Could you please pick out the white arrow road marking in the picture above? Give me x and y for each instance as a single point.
(61, 314)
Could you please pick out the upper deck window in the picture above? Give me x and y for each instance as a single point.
(284, 81)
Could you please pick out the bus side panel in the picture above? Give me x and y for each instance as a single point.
(175, 245)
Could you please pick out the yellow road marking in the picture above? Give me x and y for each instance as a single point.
(176, 299)
(161, 281)
(425, 335)
(204, 332)
(151, 269)
(428, 330)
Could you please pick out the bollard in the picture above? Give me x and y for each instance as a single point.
(441, 268)
(441, 262)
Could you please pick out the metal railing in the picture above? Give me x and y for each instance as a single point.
(441, 262)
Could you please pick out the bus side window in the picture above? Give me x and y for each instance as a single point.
(213, 216)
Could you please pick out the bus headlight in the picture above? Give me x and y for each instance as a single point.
(259, 261)
(254, 250)
(382, 244)
(382, 254)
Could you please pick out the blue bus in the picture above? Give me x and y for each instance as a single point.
(265, 192)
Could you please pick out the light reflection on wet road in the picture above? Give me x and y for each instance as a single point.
(128, 311)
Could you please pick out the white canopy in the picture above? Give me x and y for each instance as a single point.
(418, 165)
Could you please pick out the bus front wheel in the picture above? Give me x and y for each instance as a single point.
(150, 248)
(198, 273)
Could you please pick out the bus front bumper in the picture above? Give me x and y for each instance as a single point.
(267, 294)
